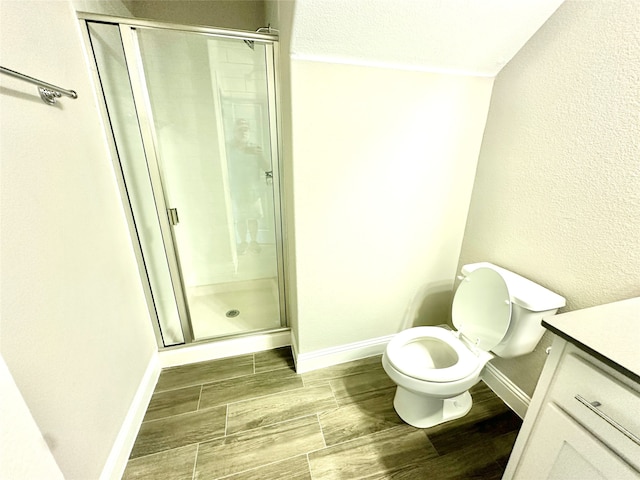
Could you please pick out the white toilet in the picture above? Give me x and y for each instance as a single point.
(493, 310)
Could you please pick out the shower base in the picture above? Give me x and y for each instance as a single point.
(233, 308)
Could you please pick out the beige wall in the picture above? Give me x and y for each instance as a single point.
(240, 15)
(75, 330)
(557, 193)
(379, 164)
(383, 166)
(24, 454)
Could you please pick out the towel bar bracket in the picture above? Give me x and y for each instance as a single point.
(48, 92)
(48, 96)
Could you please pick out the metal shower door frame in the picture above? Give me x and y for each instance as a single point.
(141, 100)
(128, 34)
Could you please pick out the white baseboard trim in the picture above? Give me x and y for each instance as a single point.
(501, 385)
(224, 348)
(508, 391)
(117, 459)
(326, 357)
(294, 349)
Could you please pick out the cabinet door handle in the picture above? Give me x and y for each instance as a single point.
(593, 406)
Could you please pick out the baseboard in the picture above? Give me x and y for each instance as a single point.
(306, 362)
(117, 459)
(508, 391)
(224, 348)
(294, 349)
(501, 385)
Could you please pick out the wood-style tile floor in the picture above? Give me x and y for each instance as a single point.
(253, 417)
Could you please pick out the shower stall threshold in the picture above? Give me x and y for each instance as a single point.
(224, 347)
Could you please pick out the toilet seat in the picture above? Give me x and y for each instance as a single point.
(408, 353)
(481, 312)
(481, 309)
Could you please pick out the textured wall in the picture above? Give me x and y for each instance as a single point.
(557, 192)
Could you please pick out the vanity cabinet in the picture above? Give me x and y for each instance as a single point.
(584, 418)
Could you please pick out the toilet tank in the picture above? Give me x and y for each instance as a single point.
(530, 302)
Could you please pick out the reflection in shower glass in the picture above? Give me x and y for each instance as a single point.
(209, 106)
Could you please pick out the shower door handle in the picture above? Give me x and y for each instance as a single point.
(173, 216)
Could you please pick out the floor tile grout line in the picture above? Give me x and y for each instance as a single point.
(169, 449)
(210, 384)
(195, 384)
(309, 466)
(226, 419)
(263, 397)
(333, 392)
(247, 374)
(242, 432)
(259, 397)
(324, 440)
(182, 414)
(195, 462)
(359, 438)
(199, 398)
(275, 369)
(258, 467)
(317, 414)
(339, 377)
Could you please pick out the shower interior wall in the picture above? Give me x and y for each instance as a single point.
(184, 101)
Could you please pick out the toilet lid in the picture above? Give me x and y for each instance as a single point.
(481, 308)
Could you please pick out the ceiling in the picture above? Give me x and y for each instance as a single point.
(475, 37)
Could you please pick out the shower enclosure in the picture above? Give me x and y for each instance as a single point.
(192, 116)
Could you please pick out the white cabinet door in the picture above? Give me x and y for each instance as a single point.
(560, 448)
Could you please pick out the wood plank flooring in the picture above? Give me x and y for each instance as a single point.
(253, 418)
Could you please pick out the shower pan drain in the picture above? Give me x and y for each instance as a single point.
(232, 313)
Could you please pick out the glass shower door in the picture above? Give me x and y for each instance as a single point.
(192, 116)
(108, 51)
(210, 101)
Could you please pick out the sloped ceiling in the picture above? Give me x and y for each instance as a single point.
(476, 37)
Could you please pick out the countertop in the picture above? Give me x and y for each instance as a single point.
(609, 332)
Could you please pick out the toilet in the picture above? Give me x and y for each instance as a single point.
(494, 312)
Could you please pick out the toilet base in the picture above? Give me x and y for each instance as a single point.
(421, 411)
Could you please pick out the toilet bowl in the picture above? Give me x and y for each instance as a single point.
(434, 367)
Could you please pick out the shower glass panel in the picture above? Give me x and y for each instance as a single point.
(114, 77)
(192, 116)
(208, 102)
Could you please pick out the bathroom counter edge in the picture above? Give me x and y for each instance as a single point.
(609, 332)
